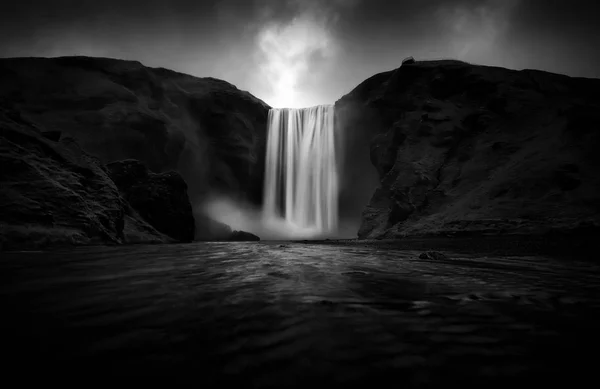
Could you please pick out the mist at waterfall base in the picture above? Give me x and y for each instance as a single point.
(301, 184)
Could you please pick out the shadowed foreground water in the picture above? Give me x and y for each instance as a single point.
(291, 315)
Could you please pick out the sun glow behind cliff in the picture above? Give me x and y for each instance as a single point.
(301, 177)
(288, 53)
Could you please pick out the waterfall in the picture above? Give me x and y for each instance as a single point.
(301, 178)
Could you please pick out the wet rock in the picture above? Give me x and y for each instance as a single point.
(210, 229)
(243, 236)
(435, 255)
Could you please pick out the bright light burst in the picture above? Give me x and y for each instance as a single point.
(286, 51)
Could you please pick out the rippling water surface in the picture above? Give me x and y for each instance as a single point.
(271, 314)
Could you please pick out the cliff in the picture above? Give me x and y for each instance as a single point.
(465, 149)
(206, 129)
(435, 148)
(52, 193)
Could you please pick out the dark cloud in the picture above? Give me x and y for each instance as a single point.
(306, 52)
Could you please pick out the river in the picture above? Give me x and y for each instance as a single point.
(294, 314)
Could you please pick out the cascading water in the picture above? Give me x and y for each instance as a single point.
(301, 178)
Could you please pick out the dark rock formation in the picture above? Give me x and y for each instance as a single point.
(408, 61)
(217, 231)
(53, 193)
(243, 236)
(464, 149)
(160, 199)
(206, 129)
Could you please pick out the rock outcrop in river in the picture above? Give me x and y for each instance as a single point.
(54, 193)
(206, 129)
(243, 236)
(465, 149)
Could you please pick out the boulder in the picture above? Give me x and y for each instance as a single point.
(243, 236)
(160, 199)
(212, 230)
(408, 61)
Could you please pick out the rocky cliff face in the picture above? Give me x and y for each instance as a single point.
(206, 129)
(53, 193)
(455, 148)
(471, 149)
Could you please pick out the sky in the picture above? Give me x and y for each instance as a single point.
(300, 53)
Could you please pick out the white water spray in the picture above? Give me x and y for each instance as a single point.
(301, 178)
